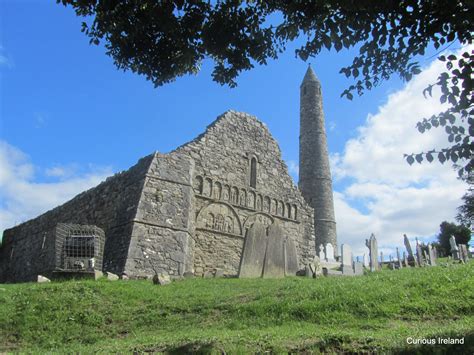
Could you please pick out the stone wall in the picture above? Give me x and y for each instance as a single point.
(111, 206)
(161, 236)
(225, 196)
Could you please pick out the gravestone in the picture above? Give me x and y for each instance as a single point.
(411, 259)
(431, 255)
(366, 261)
(405, 259)
(330, 272)
(111, 277)
(371, 243)
(253, 255)
(463, 252)
(346, 253)
(419, 255)
(399, 260)
(42, 279)
(291, 258)
(317, 266)
(161, 279)
(347, 270)
(358, 269)
(454, 248)
(219, 273)
(322, 254)
(274, 265)
(329, 253)
(381, 260)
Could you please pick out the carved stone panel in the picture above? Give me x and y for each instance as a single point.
(220, 217)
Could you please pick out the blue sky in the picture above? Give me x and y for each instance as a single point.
(69, 118)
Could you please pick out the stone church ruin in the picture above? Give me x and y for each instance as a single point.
(192, 210)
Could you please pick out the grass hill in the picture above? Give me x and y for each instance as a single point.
(375, 312)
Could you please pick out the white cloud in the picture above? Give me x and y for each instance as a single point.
(5, 59)
(22, 198)
(293, 169)
(385, 195)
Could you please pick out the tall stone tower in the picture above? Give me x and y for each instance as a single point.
(315, 181)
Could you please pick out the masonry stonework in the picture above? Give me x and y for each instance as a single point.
(186, 211)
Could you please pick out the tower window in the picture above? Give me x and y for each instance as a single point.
(253, 172)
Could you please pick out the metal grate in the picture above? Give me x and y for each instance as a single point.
(79, 247)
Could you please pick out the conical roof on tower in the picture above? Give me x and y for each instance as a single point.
(309, 76)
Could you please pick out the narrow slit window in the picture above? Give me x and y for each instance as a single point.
(253, 173)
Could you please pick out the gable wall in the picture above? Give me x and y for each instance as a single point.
(222, 183)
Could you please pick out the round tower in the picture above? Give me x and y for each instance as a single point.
(315, 181)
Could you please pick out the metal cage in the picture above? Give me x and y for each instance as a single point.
(79, 248)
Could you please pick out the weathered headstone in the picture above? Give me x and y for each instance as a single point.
(42, 279)
(405, 259)
(317, 266)
(111, 277)
(161, 279)
(274, 265)
(463, 252)
(371, 243)
(329, 252)
(431, 255)
(208, 274)
(399, 260)
(291, 258)
(253, 255)
(419, 255)
(219, 273)
(322, 254)
(411, 259)
(330, 272)
(381, 259)
(366, 261)
(454, 248)
(346, 253)
(358, 269)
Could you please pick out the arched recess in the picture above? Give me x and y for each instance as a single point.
(229, 223)
(253, 172)
(198, 184)
(263, 218)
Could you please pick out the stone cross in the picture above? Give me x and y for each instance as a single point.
(371, 243)
(322, 254)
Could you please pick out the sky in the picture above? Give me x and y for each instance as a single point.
(69, 119)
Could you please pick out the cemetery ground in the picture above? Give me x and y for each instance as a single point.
(374, 312)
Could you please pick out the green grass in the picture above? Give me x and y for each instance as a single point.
(375, 312)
